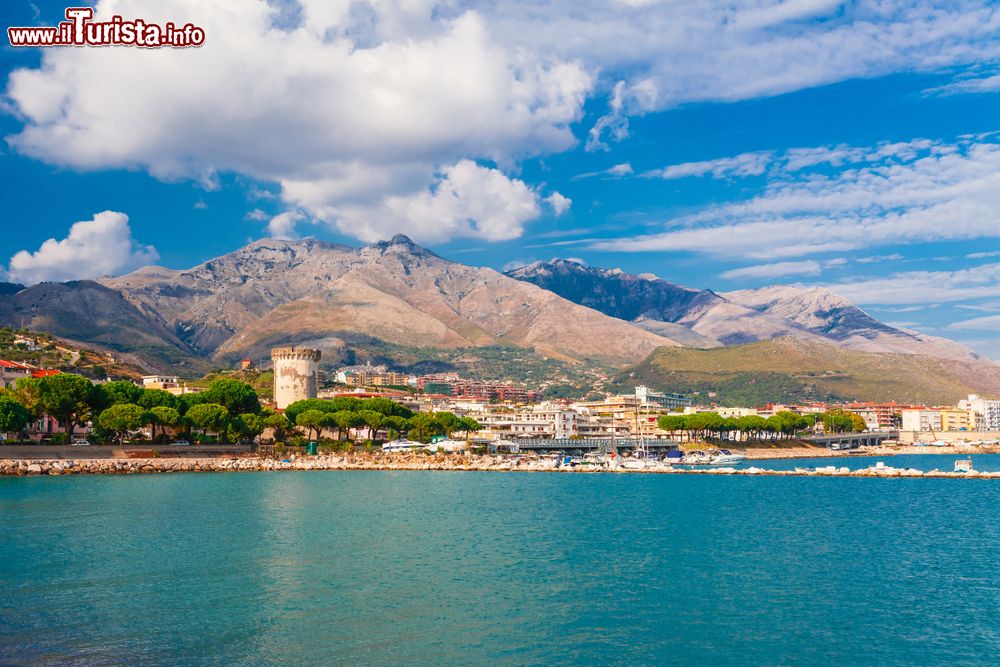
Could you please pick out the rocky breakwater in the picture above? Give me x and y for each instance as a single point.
(55, 467)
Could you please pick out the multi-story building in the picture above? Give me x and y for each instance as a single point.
(159, 381)
(11, 372)
(484, 390)
(546, 420)
(723, 412)
(886, 416)
(371, 376)
(665, 401)
(921, 419)
(954, 419)
(987, 412)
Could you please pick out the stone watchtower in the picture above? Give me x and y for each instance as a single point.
(295, 371)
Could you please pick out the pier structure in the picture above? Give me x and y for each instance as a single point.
(852, 440)
(597, 445)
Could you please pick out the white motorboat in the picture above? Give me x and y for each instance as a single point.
(696, 458)
(724, 457)
(402, 445)
(635, 464)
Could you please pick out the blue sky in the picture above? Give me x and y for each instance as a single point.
(729, 145)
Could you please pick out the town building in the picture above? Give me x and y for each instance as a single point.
(546, 420)
(886, 416)
(921, 419)
(665, 401)
(159, 381)
(484, 390)
(11, 372)
(987, 412)
(955, 419)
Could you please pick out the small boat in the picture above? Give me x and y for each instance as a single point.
(963, 465)
(724, 457)
(402, 445)
(696, 458)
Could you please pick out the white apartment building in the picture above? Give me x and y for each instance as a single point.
(921, 420)
(545, 420)
(987, 412)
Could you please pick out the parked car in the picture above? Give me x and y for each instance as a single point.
(80, 442)
(180, 443)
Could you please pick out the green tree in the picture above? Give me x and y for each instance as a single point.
(119, 391)
(448, 420)
(386, 407)
(28, 392)
(235, 396)
(342, 403)
(373, 420)
(209, 417)
(163, 416)
(672, 423)
(751, 426)
(121, 418)
(313, 421)
(246, 426)
(279, 425)
(468, 425)
(154, 398)
(293, 410)
(842, 421)
(13, 416)
(67, 398)
(729, 425)
(423, 426)
(346, 420)
(395, 425)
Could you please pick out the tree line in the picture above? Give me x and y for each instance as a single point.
(344, 413)
(228, 407)
(781, 425)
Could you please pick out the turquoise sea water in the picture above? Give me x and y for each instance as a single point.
(925, 462)
(490, 568)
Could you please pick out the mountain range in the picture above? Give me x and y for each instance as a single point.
(706, 319)
(395, 295)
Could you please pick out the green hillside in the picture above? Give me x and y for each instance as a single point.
(788, 370)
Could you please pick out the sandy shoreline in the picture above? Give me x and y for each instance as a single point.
(457, 463)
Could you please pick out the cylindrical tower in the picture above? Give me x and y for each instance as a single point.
(295, 370)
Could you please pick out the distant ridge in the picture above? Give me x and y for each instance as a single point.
(730, 318)
(397, 298)
(794, 370)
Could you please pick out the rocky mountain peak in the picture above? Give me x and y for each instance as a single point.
(400, 245)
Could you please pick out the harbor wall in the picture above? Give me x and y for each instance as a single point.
(911, 437)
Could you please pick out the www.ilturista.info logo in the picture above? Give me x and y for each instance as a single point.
(79, 29)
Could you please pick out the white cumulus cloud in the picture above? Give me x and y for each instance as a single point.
(349, 106)
(775, 270)
(559, 203)
(464, 200)
(346, 112)
(905, 192)
(97, 247)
